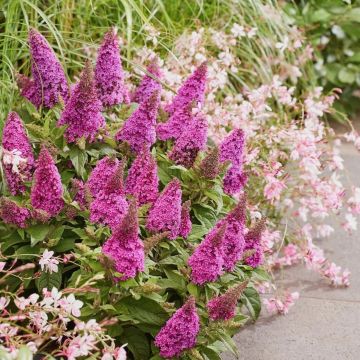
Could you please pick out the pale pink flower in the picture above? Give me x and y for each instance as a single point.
(47, 262)
(273, 188)
(71, 305)
(281, 304)
(350, 223)
(4, 302)
(2, 265)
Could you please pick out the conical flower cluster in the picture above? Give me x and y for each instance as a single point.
(185, 225)
(224, 307)
(149, 84)
(82, 113)
(18, 159)
(139, 129)
(109, 74)
(124, 247)
(209, 167)
(234, 243)
(11, 213)
(47, 191)
(49, 80)
(207, 260)
(253, 243)
(110, 205)
(180, 331)
(235, 179)
(103, 170)
(165, 214)
(232, 149)
(142, 181)
(190, 142)
(191, 93)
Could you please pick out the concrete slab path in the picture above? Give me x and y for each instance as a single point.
(324, 324)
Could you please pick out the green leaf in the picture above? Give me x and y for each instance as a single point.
(137, 342)
(346, 75)
(47, 280)
(251, 299)
(353, 15)
(320, 15)
(24, 353)
(210, 354)
(38, 233)
(78, 158)
(143, 310)
(64, 245)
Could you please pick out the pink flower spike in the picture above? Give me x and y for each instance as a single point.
(11, 213)
(185, 225)
(49, 80)
(139, 129)
(82, 113)
(110, 205)
(47, 191)
(109, 75)
(190, 142)
(192, 91)
(142, 181)
(124, 247)
(165, 214)
(17, 159)
(207, 261)
(180, 331)
(103, 170)
(149, 84)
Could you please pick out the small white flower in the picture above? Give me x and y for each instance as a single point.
(47, 262)
(238, 30)
(338, 32)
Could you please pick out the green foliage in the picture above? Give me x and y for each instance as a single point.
(333, 28)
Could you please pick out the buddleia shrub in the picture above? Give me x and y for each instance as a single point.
(124, 201)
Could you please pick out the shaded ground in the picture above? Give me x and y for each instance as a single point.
(324, 324)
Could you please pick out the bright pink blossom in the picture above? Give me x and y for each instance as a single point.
(180, 331)
(124, 247)
(165, 213)
(82, 113)
(18, 159)
(47, 191)
(109, 75)
(49, 80)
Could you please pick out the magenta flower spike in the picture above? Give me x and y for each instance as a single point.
(110, 206)
(232, 147)
(124, 247)
(176, 124)
(253, 244)
(18, 158)
(142, 181)
(185, 225)
(82, 113)
(180, 331)
(207, 260)
(235, 179)
(224, 307)
(165, 213)
(109, 74)
(11, 213)
(192, 91)
(234, 242)
(190, 142)
(103, 170)
(149, 84)
(49, 80)
(139, 129)
(47, 190)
